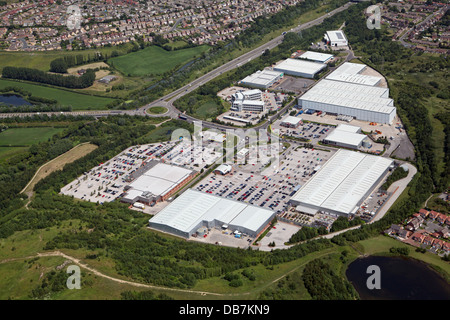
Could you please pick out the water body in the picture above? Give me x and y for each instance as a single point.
(13, 99)
(401, 279)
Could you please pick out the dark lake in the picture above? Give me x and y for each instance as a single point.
(12, 99)
(401, 279)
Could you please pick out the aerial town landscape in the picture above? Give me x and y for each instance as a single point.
(217, 150)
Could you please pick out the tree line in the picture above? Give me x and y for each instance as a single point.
(35, 75)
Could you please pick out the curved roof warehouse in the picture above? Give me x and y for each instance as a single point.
(194, 209)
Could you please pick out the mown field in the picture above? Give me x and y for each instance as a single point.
(16, 140)
(26, 136)
(77, 101)
(154, 60)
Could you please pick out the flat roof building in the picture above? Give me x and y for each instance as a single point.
(336, 38)
(300, 68)
(316, 56)
(262, 79)
(362, 102)
(351, 72)
(157, 183)
(250, 100)
(291, 122)
(195, 209)
(346, 136)
(342, 183)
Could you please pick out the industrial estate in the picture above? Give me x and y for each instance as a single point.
(311, 186)
(223, 149)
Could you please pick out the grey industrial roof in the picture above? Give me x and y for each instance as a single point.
(342, 182)
(345, 137)
(160, 179)
(193, 207)
(262, 78)
(336, 35)
(291, 120)
(351, 72)
(316, 56)
(299, 66)
(350, 95)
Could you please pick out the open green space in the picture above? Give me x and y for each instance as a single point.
(77, 101)
(17, 140)
(41, 60)
(26, 136)
(6, 152)
(154, 60)
(157, 110)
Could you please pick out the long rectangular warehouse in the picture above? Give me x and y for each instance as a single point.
(262, 79)
(362, 102)
(157, 183)
(300, 68)
(351, 72)
(194, 209)
(342, 184)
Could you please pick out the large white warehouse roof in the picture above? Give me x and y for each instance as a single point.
(316, 56)
(345, 180)
(160, 179)
(262, 79)
(356, 100)
(298, 67)
(351, 72)
(345, 138)
(193, 209)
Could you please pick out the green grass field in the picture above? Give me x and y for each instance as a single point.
(27, 136)
(41, 60)
(157, 110)
(78, 101)
(154, 60)
(16, 140)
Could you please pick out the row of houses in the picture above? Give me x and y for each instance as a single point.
(104, 23)
(427, 229)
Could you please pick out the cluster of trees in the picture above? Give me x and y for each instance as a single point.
(73, 82)
(399, 250)
(399, 173)
(342, 223)
(60, 65)
(323, 283)
(144, 295)
(52, 282)
(306, 233)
